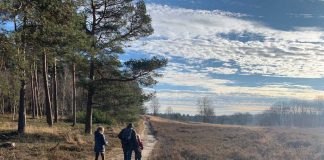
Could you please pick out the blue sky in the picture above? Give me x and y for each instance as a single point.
(244, 55)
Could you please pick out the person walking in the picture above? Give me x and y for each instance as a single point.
(100, 143)
(128, 140)
(138, 152)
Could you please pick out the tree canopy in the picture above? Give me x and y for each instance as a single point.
(74, 42)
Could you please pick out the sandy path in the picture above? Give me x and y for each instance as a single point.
(149, 142)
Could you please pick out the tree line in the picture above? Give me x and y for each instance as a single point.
(58, 58)
(293, 113)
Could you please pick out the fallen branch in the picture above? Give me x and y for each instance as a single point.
(54, 148)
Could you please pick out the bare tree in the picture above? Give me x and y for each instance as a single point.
(155, 105)
(205, 109)
(169, 111)
(295, 113)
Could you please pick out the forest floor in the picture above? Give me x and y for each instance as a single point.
(200, 141)
(60, 142)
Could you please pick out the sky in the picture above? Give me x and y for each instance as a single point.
(244, 55)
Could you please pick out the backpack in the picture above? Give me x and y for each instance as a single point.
(126, 135)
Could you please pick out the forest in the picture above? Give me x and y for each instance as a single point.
(60, 60)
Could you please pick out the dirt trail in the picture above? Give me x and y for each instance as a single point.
(149, 141)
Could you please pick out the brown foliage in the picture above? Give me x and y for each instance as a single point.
(60, 142)
(199, 141)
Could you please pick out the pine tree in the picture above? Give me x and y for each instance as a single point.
(111, 24)
(18, 13)
(59, 27)
(42, 26)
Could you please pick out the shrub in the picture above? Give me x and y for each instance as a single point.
(105, 117)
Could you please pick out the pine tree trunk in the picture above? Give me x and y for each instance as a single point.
(14, 112)
(33, 106)
(63, 91)
(36, 94)
(22, 92)
(11, 107)
(73, 95)
(3, 105)
(48, 106)
(55, 92)
(15, 109)
(22, 110)
(88, 124)
(41, 109)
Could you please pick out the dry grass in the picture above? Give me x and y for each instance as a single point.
(183, 141)
(60, 142)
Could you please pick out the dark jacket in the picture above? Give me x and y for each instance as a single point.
(128, 143)
(100, 142)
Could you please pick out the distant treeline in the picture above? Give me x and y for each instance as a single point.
(294, 113)
(237, 118)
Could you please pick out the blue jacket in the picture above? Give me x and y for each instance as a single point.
(100, 142)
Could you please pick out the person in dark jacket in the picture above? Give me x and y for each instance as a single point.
(100, 143)
(128, 141)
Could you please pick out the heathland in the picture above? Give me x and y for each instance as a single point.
(191, 141)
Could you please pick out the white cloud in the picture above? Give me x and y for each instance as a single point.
(194, 34)
(203, 82)
(191, 79)
(302, 15)
(220, 70)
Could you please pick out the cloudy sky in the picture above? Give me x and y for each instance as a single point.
(244, 55)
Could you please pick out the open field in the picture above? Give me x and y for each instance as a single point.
(60, 142)
(187, 141)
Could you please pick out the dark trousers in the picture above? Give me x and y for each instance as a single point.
(138, 154)
(127, 153)
(102, 155)
(128, 150)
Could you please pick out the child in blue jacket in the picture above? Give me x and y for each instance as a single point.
(100, 143)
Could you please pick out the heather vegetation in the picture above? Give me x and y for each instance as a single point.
(184, 141)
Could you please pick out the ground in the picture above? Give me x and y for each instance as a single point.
(60, 142)
(199, 141)
(164, 140)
